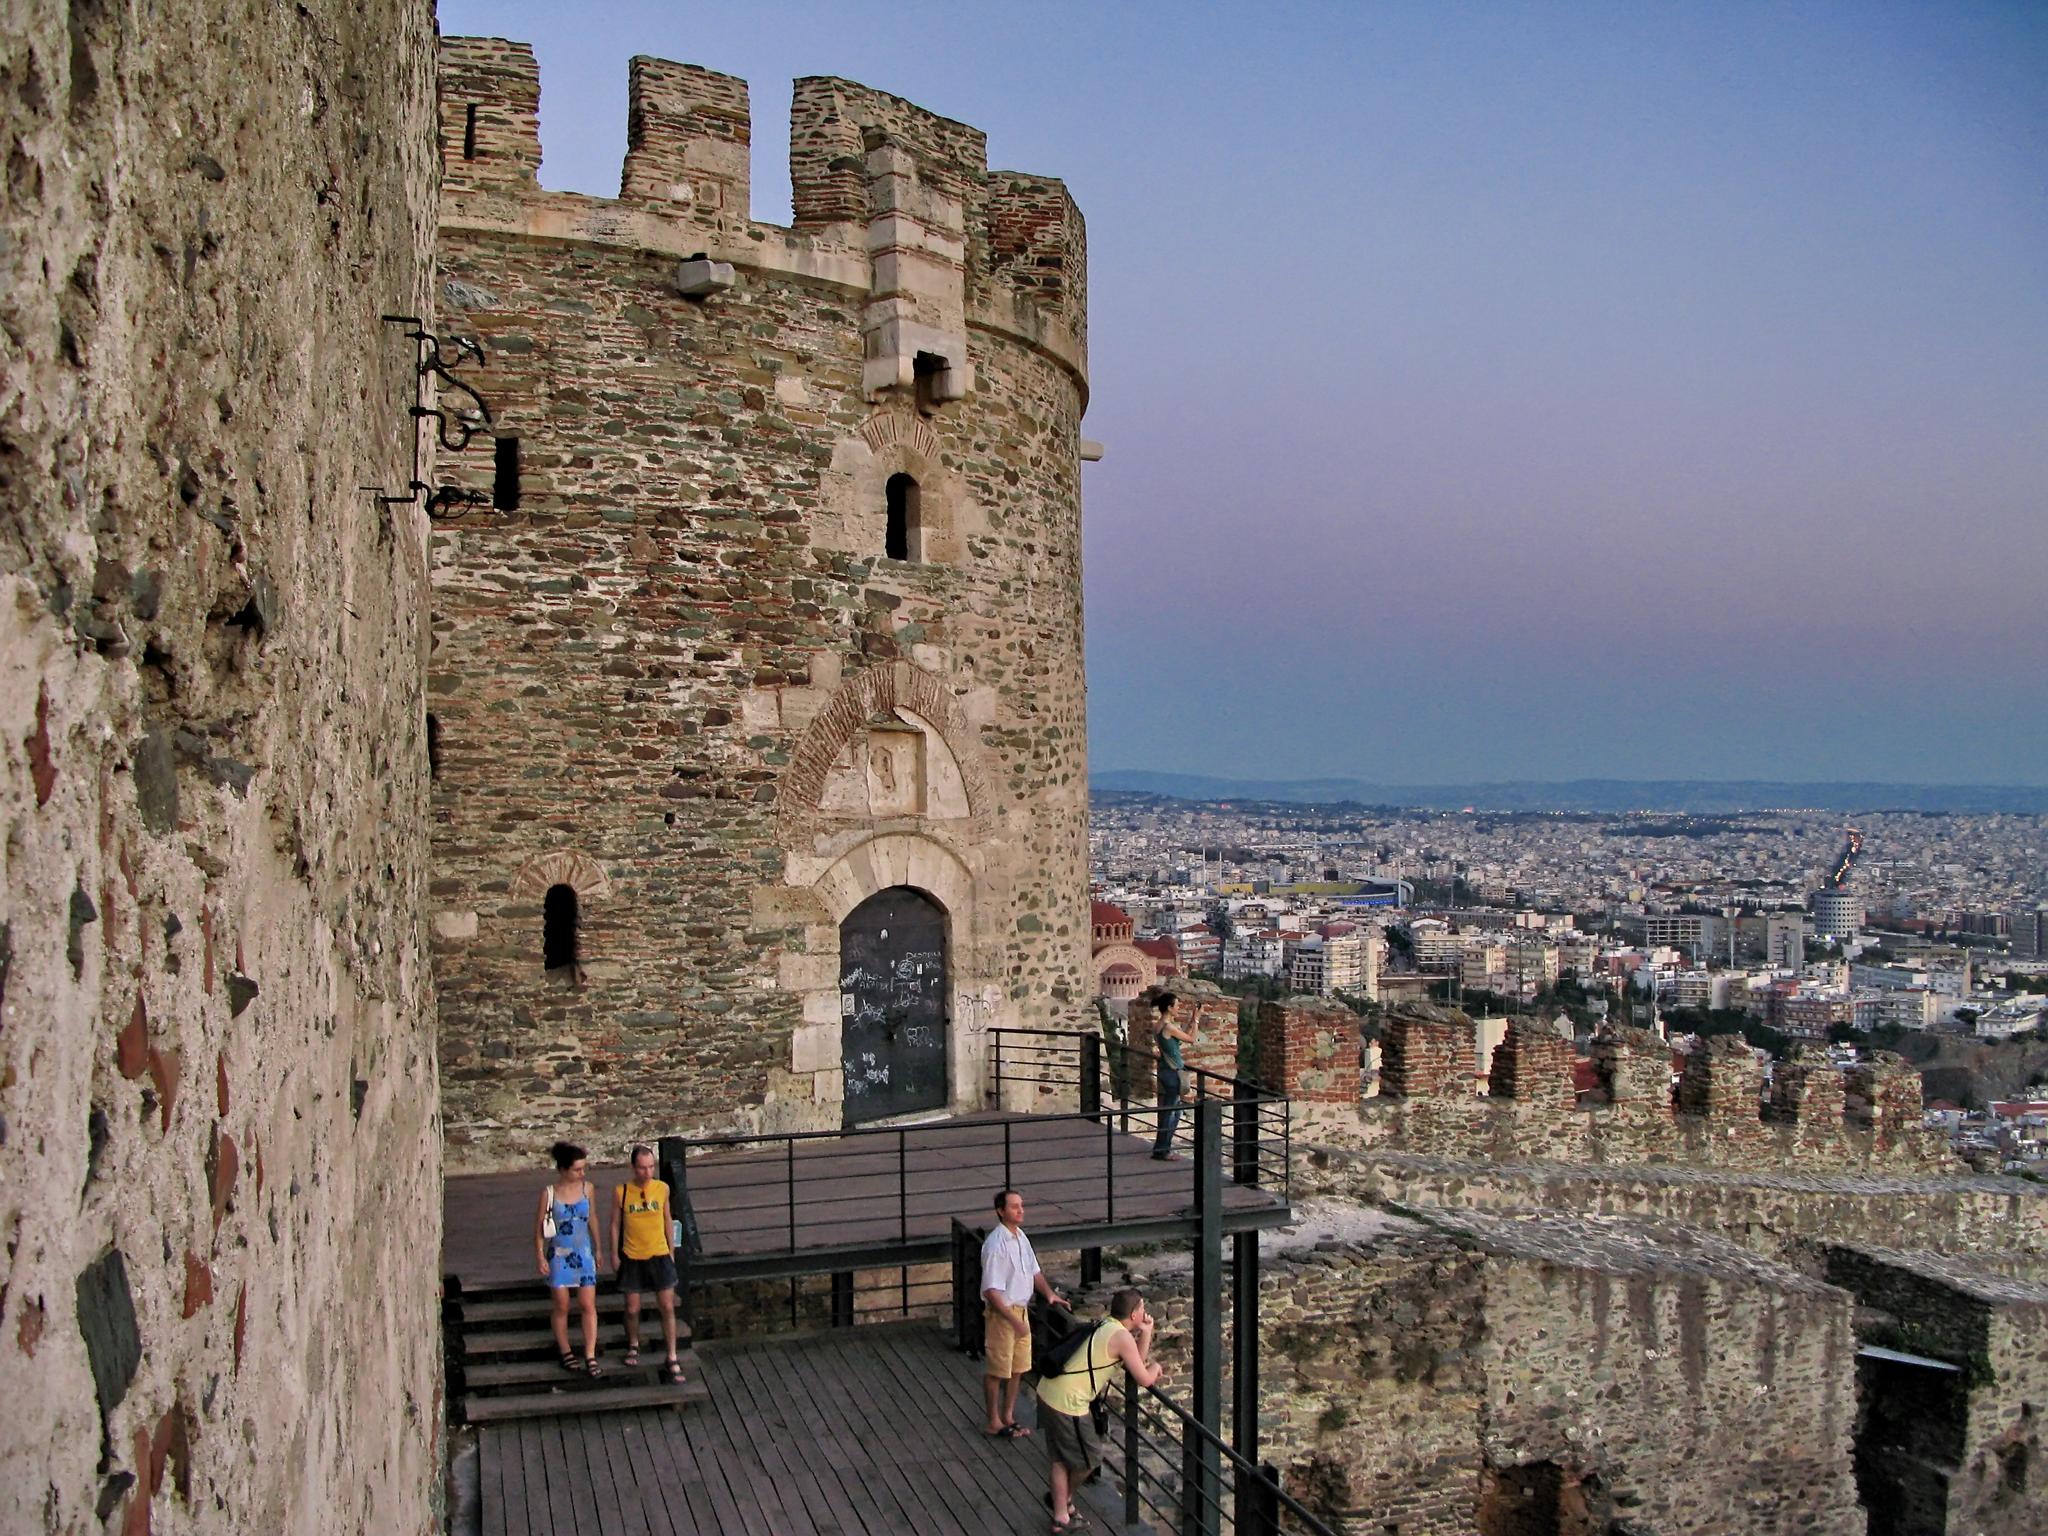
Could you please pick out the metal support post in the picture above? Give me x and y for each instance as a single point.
(1091, 1074)
(1244, 1365)
(671, 1157)
(1207, 1404)
(1244, 1135)
(842, 1298)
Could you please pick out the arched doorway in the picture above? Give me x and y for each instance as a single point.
(892, 1005)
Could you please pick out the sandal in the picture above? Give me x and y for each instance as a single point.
(595, 1367)
(672, 1371)
(573, 1363)
(632, 1356)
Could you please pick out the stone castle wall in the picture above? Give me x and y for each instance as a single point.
(684, 676)
(219, 1157)
(1410, 1377)
(1769, 1212)
(1819, 1118)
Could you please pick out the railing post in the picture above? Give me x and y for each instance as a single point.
(842, 1298)
(1266, 1505)
(902, 1199)
(789, 1165)
(997, 1094)
(1244, 1345)
(1244, 1134)
(1131, 1453)
(672, 1156)
(1091, 1075)
(1006, 1155)
(1207, 1385)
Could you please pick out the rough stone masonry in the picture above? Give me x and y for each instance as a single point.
(777, 610)
(219, 1156)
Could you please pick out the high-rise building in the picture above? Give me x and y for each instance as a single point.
(1837, 914)
(1785, 940)
(2030, 933)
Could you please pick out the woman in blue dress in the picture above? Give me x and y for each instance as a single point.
(568, 1259)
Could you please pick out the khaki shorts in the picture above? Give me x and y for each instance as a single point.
(1071, 1441)
(1003, 1352)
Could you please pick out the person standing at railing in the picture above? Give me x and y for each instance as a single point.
(1170, 1035)
(1067, 1398)
(1009, 1275)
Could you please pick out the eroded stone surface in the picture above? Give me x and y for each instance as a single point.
(211, 652)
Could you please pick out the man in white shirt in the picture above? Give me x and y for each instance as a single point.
(1009, 1274)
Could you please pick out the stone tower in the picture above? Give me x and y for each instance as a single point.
(757, 693)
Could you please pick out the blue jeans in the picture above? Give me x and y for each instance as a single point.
(1169, 1119)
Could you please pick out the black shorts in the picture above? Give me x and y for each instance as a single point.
(639, 1276)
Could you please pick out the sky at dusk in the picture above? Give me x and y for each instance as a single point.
(1504, 391)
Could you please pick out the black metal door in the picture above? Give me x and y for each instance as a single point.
(892, 1004)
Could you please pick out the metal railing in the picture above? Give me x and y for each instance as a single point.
(1175, 1471)
(1108, 1073)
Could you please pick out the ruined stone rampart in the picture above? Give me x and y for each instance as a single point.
(1770, 1212)
(1479, 1373)
(1818, 1116)
(785, 611)
(1960, 1450)
(219, 1154)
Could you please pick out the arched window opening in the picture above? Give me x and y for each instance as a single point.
(433, 747)
(900, 542)
(558, 933)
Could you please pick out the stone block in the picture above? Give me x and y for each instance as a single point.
(814, 1047)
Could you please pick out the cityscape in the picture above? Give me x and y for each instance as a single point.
(1903, 930)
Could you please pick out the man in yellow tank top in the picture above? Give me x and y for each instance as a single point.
(644, 1258)
(1124, 1339)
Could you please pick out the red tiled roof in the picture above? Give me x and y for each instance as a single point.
(1102, 913)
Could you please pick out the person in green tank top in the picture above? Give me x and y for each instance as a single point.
(1171, 1035)
(1121, 1340)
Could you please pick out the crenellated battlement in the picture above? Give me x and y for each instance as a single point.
(889, 199)
(1431, 1099)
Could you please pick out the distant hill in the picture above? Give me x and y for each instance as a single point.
(1695, 796)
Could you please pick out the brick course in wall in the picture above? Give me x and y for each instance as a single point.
(1309, 1050)
(219, 1153)
(686, 659)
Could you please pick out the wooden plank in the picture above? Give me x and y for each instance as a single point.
(746, 1467)
(789, 1450)
(546, 1480)
(851, 1505)
(722, 1511)
(674, 1467)
(1002, 1474)
(919, 1446)
(490, 1483)
(564, 1496)
(848, 1446)
(611, 1508)
(780, 1478)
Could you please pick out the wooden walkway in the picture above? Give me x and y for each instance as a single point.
(857, 1432)
(872, 1188)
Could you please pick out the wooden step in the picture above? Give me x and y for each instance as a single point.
(528, 1309)
(599, 1399)
(519, 1341)
(515, 1373)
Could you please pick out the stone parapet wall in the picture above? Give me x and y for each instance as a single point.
(1308, 1050)
(219, 1148)
(1672, 1380)
(1819, 1118)
(1770, 1212)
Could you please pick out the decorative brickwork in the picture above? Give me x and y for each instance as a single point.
(689, 655)
(1309, 1050)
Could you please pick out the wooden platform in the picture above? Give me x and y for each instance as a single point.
(878, 1191)
(856, 1432)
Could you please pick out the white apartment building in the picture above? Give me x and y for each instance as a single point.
(1324, 966)
(1785, 940)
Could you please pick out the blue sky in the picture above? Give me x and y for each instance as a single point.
(1505, 391)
